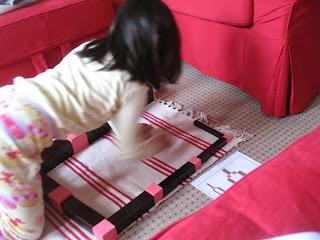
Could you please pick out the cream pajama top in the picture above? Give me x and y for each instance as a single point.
(81, 95)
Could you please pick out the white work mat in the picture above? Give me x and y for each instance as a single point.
(99, 179)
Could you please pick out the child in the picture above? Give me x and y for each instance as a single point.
(103, 80)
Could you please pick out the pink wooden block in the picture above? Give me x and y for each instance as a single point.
(58, 196)
(105, 230)
(228, 137)
(196, 162)
(71, 136)
(156, 191)
(79, 143)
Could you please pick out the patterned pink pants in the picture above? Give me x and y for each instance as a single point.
(24, 133)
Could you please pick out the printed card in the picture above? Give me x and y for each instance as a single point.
(219, 178)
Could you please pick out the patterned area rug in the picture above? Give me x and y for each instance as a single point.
(97, 177)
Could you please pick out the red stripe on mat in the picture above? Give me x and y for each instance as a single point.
(113, 141)
(165, 164)
(75, 227)
(91, 182)
(150, 162)
(197, 139)
(103, 180)
(160, 166)
(56, 227)
(221, 151)
(172, 169)
(147, 162)
(179, 132)
(173, 132)
(154, 168)
(62, 224)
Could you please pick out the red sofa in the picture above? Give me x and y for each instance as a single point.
(280, 197)
(36, 37)
(268, 48)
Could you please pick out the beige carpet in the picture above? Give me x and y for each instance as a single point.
(230, 106)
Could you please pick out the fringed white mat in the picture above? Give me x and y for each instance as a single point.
(98, 178)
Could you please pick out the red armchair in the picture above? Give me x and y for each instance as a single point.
(269, 49)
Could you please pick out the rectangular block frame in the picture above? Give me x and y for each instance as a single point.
(92, 220)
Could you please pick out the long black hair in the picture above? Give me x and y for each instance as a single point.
(144, 40)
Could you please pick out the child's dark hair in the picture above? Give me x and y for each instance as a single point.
(144, 40)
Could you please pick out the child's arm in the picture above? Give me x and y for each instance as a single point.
(124, 124)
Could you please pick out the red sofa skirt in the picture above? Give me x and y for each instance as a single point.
(36, 37)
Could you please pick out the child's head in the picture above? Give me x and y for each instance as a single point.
(144, 40)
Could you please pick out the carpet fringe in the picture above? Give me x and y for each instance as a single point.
(239, 135)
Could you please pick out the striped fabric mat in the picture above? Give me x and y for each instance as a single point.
(97, 177)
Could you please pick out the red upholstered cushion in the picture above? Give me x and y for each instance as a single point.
(49, 24)
(232, 12)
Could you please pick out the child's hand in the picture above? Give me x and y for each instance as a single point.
(146, 131)
(164, 141)
(149, 141)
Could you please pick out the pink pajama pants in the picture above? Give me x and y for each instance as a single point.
(24, 132)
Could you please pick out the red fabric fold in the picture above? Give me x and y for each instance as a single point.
(304, 50)
(65, 48)
(39, 63)
(238, 13)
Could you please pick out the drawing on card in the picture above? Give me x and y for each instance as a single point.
(219, 178)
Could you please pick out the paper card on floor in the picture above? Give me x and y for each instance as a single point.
(218, 179)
